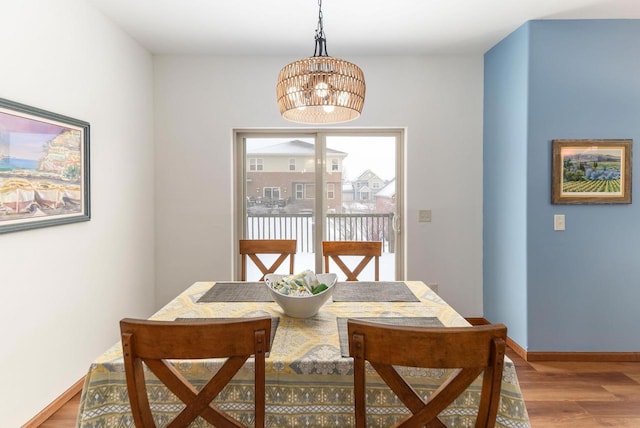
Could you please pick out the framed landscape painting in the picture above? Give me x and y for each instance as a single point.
(591, 172)
(44, 168)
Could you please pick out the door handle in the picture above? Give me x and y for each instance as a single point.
(396, 223)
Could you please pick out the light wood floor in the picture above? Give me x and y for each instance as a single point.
(558, 395)
(585, 395)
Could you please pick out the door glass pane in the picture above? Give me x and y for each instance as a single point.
(279, 190)
(357, 192)
(360, 197)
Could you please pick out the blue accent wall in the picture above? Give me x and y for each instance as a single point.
(582, 284)
(505, 184)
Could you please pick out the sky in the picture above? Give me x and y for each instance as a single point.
(374, 153)
(28, 146)
(26, 135)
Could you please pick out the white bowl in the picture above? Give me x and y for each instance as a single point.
(302, 306)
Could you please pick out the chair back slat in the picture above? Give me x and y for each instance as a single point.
(368, 250)
(253, 248)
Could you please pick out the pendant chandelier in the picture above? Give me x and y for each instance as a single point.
(320, 89)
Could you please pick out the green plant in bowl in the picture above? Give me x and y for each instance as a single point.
(295, 294)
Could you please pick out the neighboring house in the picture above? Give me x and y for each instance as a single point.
(283, 175)
(360, 195)
(367, 185)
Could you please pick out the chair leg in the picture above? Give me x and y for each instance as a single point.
(359, 382)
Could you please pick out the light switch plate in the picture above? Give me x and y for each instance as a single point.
(558, 222)
(424, 216)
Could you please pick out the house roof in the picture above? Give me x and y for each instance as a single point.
(388, 190)
(367, 174)
(293, 147)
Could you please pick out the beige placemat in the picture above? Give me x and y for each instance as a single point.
(379, 291)
(237, 292)
(412, 321)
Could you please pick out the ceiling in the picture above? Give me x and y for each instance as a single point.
(352, 27)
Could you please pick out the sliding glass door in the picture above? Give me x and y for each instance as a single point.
(361, 197)
(324, 185)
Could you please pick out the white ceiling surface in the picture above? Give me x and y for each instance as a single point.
(352, 27)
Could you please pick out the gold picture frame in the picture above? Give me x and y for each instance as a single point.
(591, 172)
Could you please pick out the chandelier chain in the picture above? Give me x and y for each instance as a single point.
(321, 39)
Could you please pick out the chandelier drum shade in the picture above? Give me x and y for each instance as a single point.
(320, 89)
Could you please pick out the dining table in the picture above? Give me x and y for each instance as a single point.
(309, 375)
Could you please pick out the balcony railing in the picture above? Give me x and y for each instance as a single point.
(339, 227)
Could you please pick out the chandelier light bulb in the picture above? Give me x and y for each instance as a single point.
(343, 99)
(322, 90)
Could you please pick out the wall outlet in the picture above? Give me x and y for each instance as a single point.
(424, 216)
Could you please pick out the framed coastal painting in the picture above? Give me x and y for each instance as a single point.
(44, 168)
(591, 172)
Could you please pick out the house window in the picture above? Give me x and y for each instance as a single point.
(335, 166)
(255, 164)
(364, 196)
(292, 164)
(271, 193)
(375, 185)
(331, 191)
(305, 190)
(309, 190)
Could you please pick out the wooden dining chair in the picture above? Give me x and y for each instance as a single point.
(251, 248)
(367, 249)
(469, 350)
(155, 342)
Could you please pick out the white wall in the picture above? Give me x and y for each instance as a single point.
(199, 100)
(63, 289)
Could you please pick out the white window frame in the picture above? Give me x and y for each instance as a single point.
(319, 135)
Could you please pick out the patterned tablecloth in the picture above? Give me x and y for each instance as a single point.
(308, 382)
